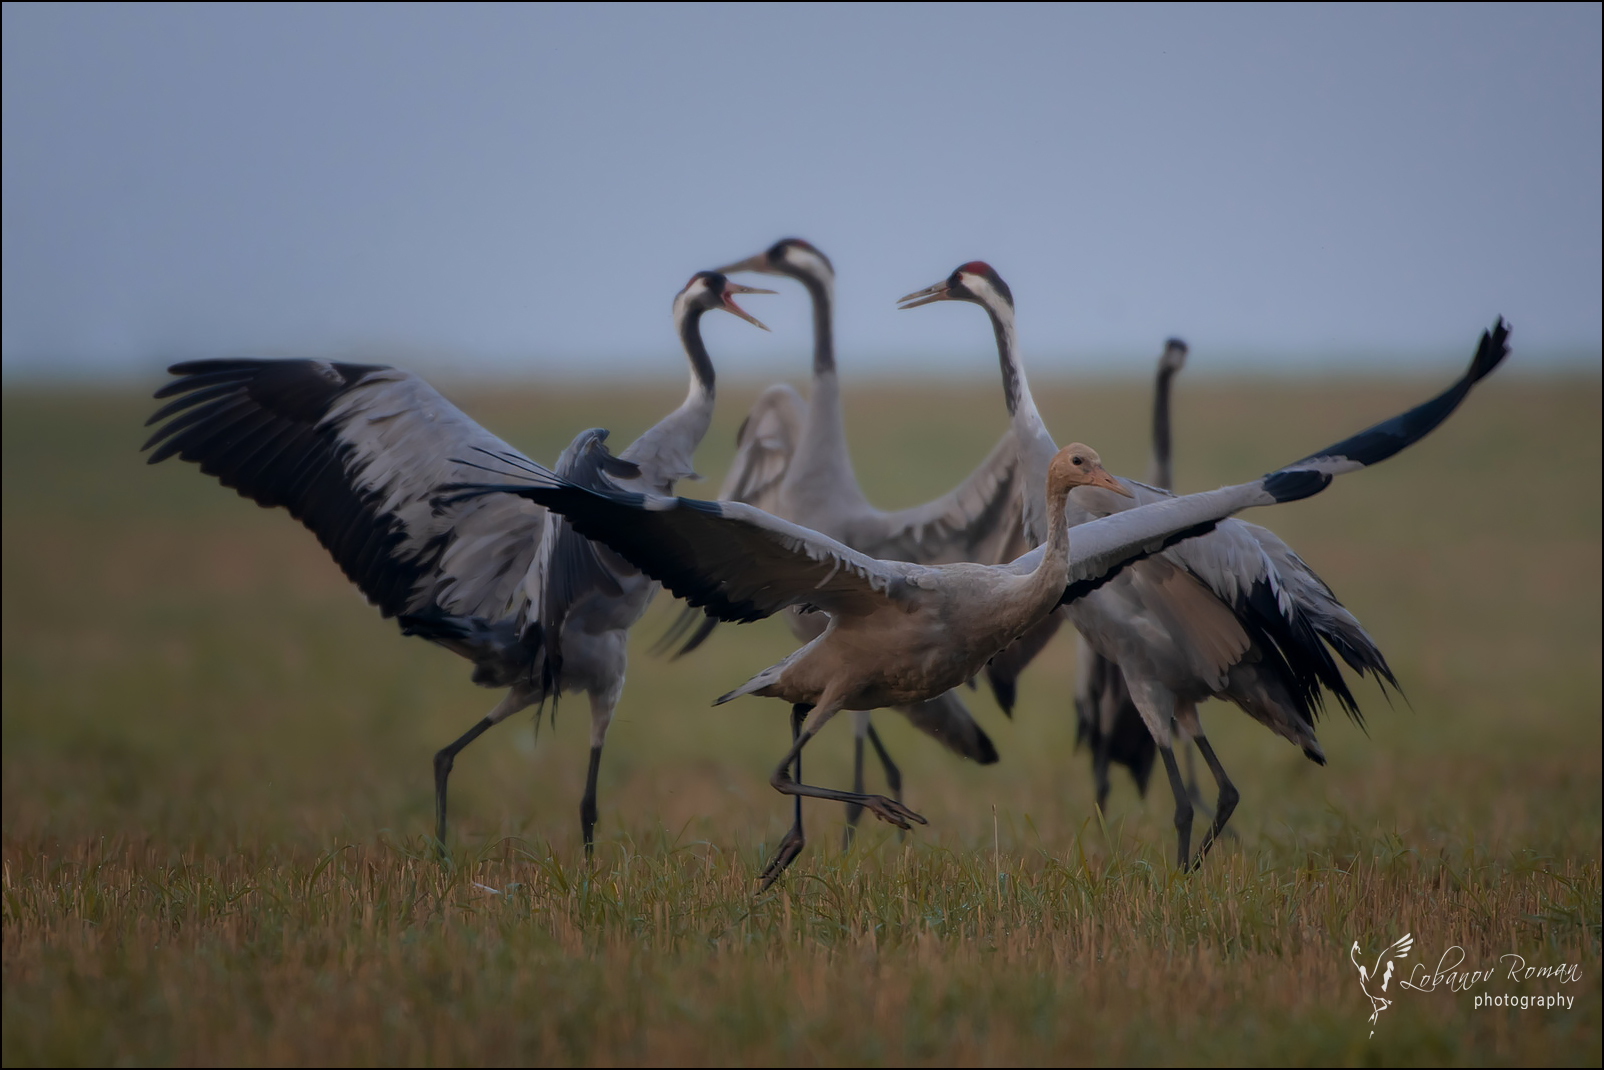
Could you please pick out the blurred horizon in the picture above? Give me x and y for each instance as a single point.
(490, 193)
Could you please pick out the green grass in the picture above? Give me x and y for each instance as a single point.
(216, 784)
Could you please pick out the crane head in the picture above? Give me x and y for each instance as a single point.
(708, 290)
(1078, 465)
(1173, 358)
(975, 281)
(788, 256)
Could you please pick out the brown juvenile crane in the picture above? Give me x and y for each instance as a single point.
(1235, 614)
(900, 632)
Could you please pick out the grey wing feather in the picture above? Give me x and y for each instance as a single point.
(1099, 548)
(981, 519)
(357, 453)
(738, 562)
(571, 568)
(948, 720)
(764, 446)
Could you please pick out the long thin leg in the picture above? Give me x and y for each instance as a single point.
(601, 715)
(444, 759)
(886, 809)
(860, 728)
(793, 842)
(893, 774)
(1192, 788)
(865, 728)
(587, 803)
(1100, 772)
(1227, 801)
(1183, 805)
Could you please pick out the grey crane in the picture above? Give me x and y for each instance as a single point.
(1106, 719)
(359, 452)
(901, 632)
(1235, 615)
(792, 461)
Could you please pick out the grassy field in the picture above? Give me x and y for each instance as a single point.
(216, 785)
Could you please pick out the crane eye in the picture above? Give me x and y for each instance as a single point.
(1077, 459)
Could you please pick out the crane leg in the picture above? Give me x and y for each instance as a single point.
(1227, 801)
(860, 728)
(793, 842)
(885, 809)
(1100, 772)
(893, 774)
(444, 759)
(1183, 805)
(601, 716)
(865, 728)
(1192, 789)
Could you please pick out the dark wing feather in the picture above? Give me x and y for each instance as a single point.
(357, 453)
(1100, 548)
(737, 562)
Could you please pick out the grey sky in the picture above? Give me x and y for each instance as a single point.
(525, 188)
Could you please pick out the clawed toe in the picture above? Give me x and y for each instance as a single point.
(789, 848)
(891, 811)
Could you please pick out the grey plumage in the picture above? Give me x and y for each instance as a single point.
(1106, 720)
(1234, 615)
(901, 632)
(792, 461)
(359, 454)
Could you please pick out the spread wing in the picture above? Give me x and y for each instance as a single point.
(1100, 548)
(981, 519)
(764, 446)
(357, 453)
(733, 560)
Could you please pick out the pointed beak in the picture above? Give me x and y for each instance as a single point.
(938, 292)
(732, 288)
(760, 262)
(1101, 478)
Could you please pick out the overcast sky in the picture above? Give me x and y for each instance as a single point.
(523, 189)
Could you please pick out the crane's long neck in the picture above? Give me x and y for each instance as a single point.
(820, 473)
(702, 374)
(821, 292)
(1052, 571)
(1035, 443)
(1159, 472)
(664, 452)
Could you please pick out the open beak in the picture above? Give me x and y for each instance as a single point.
(760, 262)
(938, 292)
(732, 288)
(1101, 478)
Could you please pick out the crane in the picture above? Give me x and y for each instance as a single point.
(901, 632)
(792, 461)
(1105, 717)
(1236, 614)
(358, 453)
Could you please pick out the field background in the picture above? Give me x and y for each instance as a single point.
(216, 782)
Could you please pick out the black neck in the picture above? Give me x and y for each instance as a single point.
(690, 335)
(823, 331)
(1161, 428)
(1005, 358)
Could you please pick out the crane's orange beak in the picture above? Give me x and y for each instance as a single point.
(732, 288)
(760, 262)
(1101, 478)
(938, 292)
